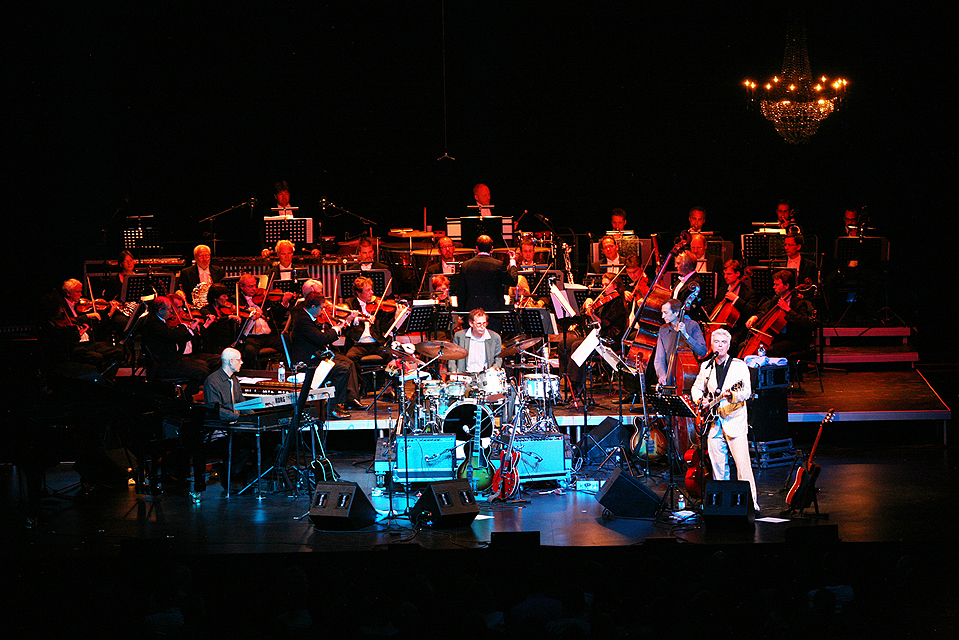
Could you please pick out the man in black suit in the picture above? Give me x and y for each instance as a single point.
(697, 245)
(200, 271)
(744, 300)
(685, 264)
(485, 279)
(447, 253)
(611, 260)
(806, 272)
(311, 334)
(165, 345)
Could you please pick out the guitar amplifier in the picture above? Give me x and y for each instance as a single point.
(423, 458)
(542, 457)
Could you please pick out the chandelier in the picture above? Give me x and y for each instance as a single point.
(793, 101)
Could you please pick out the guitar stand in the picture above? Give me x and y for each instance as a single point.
(801, 511)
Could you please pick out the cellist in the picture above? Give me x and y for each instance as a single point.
(796, 334)
(735, 306)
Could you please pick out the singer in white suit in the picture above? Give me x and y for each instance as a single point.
(728, 434)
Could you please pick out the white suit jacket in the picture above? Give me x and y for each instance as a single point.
(736, 423)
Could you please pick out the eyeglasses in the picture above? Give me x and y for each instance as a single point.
(479, 324)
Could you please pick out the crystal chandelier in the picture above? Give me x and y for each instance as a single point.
(793, 101)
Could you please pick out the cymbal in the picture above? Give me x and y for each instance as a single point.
(521, 346)
(432, 348)
(402, 355)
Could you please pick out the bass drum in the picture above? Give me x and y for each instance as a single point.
(460, 419)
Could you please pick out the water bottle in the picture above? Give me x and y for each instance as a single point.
(681, 502)
(761, 351)
(281, 373)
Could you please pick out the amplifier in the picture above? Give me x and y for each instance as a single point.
(423, 458)
(542, 457)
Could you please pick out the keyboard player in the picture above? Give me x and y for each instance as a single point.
(222, 388)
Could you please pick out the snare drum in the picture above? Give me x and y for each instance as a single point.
(539, 385)
(455, 389)
(493, 381)
(433, 388)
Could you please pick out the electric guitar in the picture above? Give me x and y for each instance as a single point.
(804, 488)
(710, 410)
(477, 469)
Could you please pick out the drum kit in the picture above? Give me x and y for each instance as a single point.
(434, 406)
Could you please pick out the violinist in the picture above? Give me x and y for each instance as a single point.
(366, 334)
(196, 324)
(440, 286)
(313, 332)
(632, 277)
(221, 321)
(608, 312)
(728, 434)
(74, 319)
(166, 343)
(796, 335)
(263, 318)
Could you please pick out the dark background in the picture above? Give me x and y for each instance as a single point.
(181, 112)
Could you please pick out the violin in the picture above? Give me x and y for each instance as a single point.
(85, 305)
(262, 295)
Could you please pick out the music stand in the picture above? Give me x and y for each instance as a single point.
(297, 230)
(543, 277)
(536, 322)
(707, 282)
(380, 277)
(422, 318)
(508, 321)
(139, 286)
(472, 227)
(672, 406)
(761, 280)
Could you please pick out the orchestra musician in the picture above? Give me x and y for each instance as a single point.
(220, 319)
(69, 332)
(484, 280)
(686, 333)
(608, 312)
(482, 344)
(221, 390)
(786, 217)
(366, 256)
(632, 276)
(165, 344)
(199, 272)
(685, 263)
(482, 197)
(806, 270)
(796, 335)
(445, 265)
(697, 218)
(260, 329)
(743, 299)
(697, 246)
(727, 435)
(283, 268)
(617, 220)
(366, 335)
(281, 191)
(611, 260)
(313, 330)
(195, 326)
(440, 285)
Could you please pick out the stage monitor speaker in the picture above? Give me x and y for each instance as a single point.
(606, 435)
(626, 496)
(769, 415)
(727, 501)
(341, 506)
(445, 505)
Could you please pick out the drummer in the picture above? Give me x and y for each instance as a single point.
(482, 344)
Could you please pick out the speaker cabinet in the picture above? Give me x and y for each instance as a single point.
(727, 501)
(623, 495)
(445, 505)
(606, 435)
(341, 506)
(768, 415)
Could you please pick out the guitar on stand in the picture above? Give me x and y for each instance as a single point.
(804, 491)
(506, 479)
(477, 468)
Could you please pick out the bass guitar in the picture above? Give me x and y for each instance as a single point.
(803, 490)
